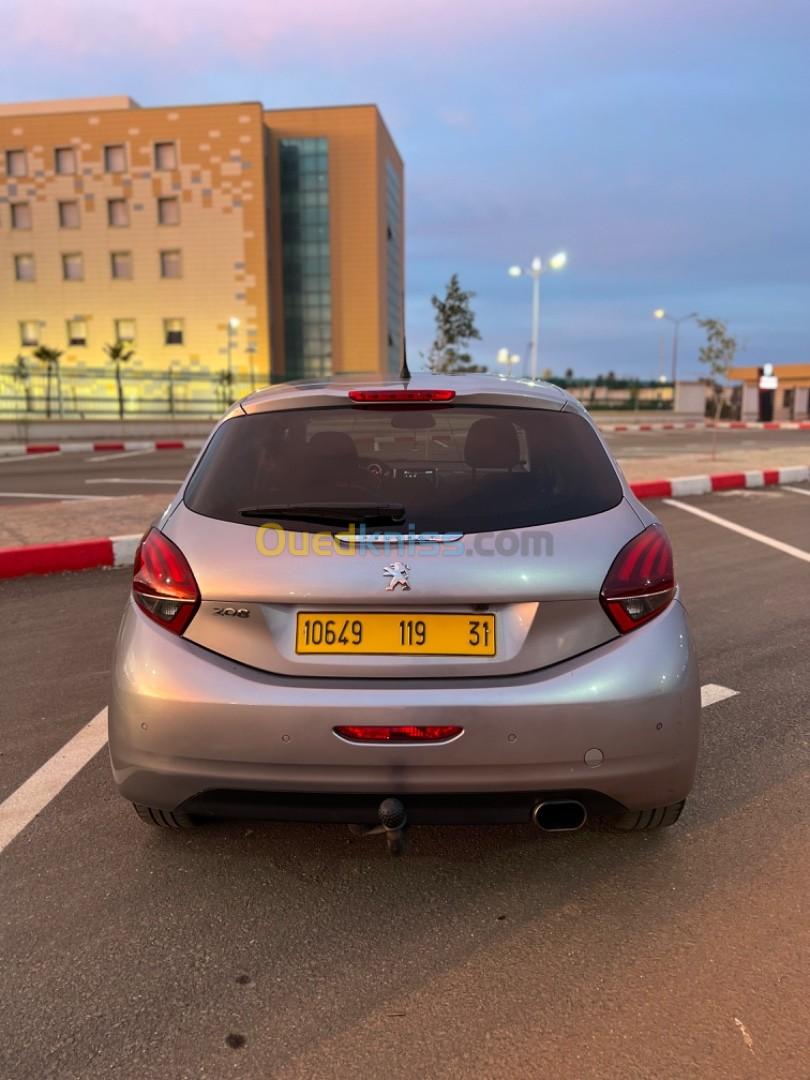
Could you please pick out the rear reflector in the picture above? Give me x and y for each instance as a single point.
(407, 733)
(641, 582)
(381, 397)
(162, 584)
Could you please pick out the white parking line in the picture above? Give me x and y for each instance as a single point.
(134, 480)
(31, 457)
(31, 798)
(123, 454)
(711, 692)
(788, 549)
(797, 491)
(46, 495)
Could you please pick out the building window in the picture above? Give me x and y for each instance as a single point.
(77, 331)
(121, 265)
(117, 212)
(24, 268)
(21, 215)
(69, 214)
(65, 160)
(125, 330)
(165, 155)
(168, 210)
(173, 331)
(306, 269)
(170, 264)
(16, 164)
(115, 158)
(29, 333)
(73, 267)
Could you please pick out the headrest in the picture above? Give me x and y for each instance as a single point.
(492, 444)
(333, 445)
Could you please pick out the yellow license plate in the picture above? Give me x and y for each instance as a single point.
(384, 633)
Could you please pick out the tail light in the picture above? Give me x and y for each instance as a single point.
(641, 582)
(163, 585)
(404, 733)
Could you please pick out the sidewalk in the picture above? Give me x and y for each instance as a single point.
(55, 522)
(657, 466)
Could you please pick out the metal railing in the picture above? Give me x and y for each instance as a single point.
(92, 393)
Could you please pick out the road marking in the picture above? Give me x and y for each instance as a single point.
(46, 495)
(711, 693)
(31, 798)
(122, 454)
(126, 480)
(797, 491)
(788, 549)
(31, 457)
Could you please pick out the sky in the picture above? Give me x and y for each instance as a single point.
(664, 145)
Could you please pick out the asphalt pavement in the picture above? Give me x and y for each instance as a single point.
(296, 951)
(35, 478)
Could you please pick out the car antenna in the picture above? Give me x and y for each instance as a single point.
(404, 371)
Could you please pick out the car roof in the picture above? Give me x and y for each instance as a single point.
(479, 389)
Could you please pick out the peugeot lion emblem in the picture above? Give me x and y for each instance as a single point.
(397, 573)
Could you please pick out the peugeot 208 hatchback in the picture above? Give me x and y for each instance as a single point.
(433, 600)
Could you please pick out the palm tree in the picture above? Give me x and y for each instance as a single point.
(119, 353)
(50, 358)
(22, 375)
(225, 388)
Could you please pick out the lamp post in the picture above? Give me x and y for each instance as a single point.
(535, 271)
(660, 313)
(233, 326)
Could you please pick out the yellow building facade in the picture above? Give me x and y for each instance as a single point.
(211, 238)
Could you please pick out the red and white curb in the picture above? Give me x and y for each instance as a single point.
(725, 425)
(68, 555)
(703, 485)
(120, 550)
(101, 444)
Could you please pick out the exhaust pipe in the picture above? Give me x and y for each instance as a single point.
(559, 815)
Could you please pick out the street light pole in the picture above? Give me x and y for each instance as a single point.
(535, 271)
(660, 313)
(233, 325)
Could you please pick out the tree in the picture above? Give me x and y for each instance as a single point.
(119, 354)
(718, 355)
(50, 358)
(22, 375)
(455, 328)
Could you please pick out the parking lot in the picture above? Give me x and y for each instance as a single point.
(298, 951)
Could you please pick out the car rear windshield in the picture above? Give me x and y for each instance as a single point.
(455, 468)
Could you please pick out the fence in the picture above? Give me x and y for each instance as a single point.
(30, 392)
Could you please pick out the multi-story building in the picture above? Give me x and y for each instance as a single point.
(211, 237)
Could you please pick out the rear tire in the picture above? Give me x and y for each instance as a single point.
(164, 819)
(662, 817)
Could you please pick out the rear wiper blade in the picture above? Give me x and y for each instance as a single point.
(369, 513)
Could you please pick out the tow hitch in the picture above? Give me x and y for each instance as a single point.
(393, 821)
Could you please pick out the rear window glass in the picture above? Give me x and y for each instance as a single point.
(453, 469)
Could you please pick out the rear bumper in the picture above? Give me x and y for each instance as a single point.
(185, 723)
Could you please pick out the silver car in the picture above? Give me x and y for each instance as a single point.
(398, 602)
